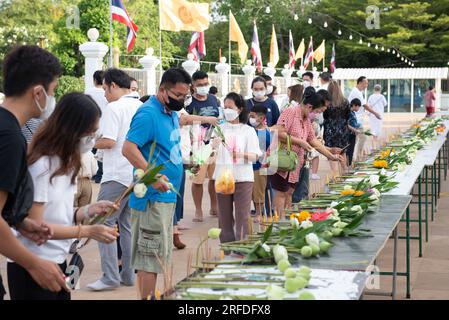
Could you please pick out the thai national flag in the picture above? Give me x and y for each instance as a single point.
(120, 14)
(309, 55)
(198, 46)
(291, 52)
(333, 60)
(255, 50)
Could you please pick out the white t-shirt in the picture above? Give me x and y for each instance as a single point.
(57, 197)
(242, 138)
(357, 94)
(98, 95)
(186, 145)
(378, 102)
(114, 125)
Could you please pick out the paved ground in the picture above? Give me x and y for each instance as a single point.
(430, 274)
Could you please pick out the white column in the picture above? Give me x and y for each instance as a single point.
(270, 71)
(150, 63)
(223, 74)
(287, 74)
(190, 65)
(94, 53)
(249, 71)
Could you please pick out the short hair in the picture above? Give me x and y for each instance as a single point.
(98, 77)
(312, 98)
(324, 94)
(260, 108)
(27, 66)
(308, 73)
(240, 104)
(266, 77)
(117, 76)
(326, 76)
(199, 75)
(133, 79)
(259, 79)
(173, 76)
(213, 90)
(377, 87)
(361, 79)
(356, 102)
(430, 87)
(145, 98)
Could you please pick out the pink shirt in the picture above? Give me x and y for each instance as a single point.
(429, 98)
(297, 127)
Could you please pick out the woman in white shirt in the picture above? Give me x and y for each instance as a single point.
(377, 102)
(241, 152)
(54, 163)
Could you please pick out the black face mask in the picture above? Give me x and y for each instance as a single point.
(174, 105)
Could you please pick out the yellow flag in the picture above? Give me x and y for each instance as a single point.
(236, 35)
(274, 50)
(301, 50)
(181, 15)
(320, 52)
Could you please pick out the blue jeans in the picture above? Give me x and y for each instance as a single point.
(179, 210)
(302, 188)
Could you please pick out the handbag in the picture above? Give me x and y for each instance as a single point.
(286, 160)
(75, 266)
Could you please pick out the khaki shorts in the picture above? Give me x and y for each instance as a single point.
(152, 237)
(206, 171)
(260, 184)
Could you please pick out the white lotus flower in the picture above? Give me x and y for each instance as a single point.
(138, 174)
(347, 187)
(294, 222)
(374, 180)
(306, 224)
(334, 204)
(340, 225)
(266, 247)
(275, 292)
(312, 238)
(140, 190)
(376, 192)
(335, 212)
(357, 208)
(280, 253)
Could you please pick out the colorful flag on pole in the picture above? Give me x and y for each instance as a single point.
(274, 50)
(333, 60)
(182, 15)
(198, 46)
(301, 50)
(236, 35)
(291, 52)
(120, 14)
(255, 50)
(320, 52)
(309, 55)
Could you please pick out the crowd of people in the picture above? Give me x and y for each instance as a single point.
(50, 152)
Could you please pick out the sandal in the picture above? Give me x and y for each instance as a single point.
(213, 213)
(197, 219)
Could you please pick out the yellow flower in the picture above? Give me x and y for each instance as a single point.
(158, 294)
(292, 215)
(303, 216)
(348, 192)
(359, 193)
(380, 164)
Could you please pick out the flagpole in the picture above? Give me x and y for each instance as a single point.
(110, 34)
(160, 42)
(230, 64)
(324, 55)
(313, 58)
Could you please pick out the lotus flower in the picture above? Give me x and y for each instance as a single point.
(140, 190)
(306, 224)
(214, 233)
(138, 174)
(320, 216)
(340, 225)
(294, 222)
(275, 292)
(266, 247)
(374, 180)
(347, 187)
(312, 238)
(334, 204)
(357, 208)
(280, 253)
(375, 192)
(383, 172)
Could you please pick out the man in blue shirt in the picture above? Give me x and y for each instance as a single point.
(152, 216)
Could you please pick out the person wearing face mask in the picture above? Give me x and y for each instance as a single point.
(307, 79)
(117, 176)
(241, 152)
(259, 87)
(297, 123)
(88, 169)
(270, 87)
(28, 72)
(152, 216)
(54, 160)
(205, 105)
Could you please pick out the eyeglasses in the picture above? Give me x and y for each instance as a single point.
(180, 96)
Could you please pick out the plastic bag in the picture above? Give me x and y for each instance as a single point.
(225, 183)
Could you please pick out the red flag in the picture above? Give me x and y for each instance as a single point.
(255, 50)
(291, 52)
(309, 55)
(120, 14)
(198, 46)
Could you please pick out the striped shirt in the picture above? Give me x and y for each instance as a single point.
(30, 128)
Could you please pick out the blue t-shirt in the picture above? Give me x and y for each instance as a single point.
(264, 143)
(207, 108)
(152, 123)
(272, 108)
(352, 121)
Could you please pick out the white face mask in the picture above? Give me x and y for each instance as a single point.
(259, 94)
(270, 90)
(50, 103)
(230, 114)
(253, 122)
(187, 102)
(306, 84)
(202, 91)
(87, 144)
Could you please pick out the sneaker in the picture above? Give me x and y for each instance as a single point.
(101, 286)
(315, 177)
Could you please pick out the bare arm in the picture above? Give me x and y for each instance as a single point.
(369, 109)
(104, 143)
(323, 150)
(299, 142)
(188, 119)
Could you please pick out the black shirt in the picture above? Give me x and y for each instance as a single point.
(14, 176)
